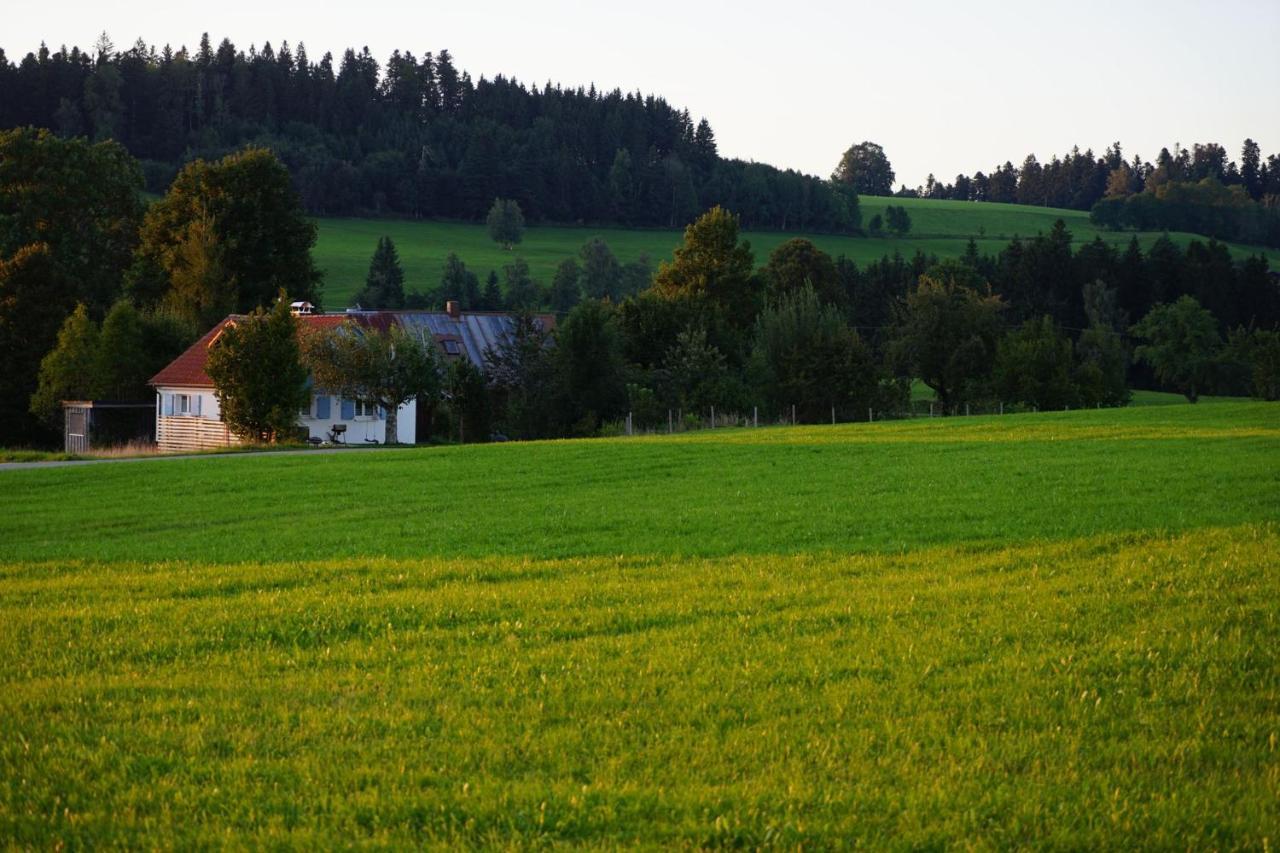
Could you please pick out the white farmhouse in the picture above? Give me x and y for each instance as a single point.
(187, 414)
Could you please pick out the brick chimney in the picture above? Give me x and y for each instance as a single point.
(453, 309)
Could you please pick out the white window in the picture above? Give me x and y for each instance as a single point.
(365, 409)
(182, 404)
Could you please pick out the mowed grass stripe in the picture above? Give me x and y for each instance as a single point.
(1109, 691)
(858, 487)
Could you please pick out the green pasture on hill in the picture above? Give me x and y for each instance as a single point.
(939, 227)
(1033, 630)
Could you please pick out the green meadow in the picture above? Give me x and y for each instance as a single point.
(1052, 630)
(939, 227)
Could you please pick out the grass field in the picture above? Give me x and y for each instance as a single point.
(1051, 630)
(938, 227)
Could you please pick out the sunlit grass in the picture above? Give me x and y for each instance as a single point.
(1110, 691)
(1033, 630)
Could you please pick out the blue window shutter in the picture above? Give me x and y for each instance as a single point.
(348, 409)
(168, 404)
(195, 407)
(382, 414)
(322, 408)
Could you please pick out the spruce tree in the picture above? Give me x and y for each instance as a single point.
(492, 298)
(566, 292)
(384, 286)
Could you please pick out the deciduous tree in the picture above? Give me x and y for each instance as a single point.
(865, 168)
(257, 218)
(505, 222)
(258, 376)
(387, 369)
(1182, 344)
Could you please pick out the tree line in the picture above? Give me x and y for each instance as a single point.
(413, 136)
(97, 293)
(1077, 180)
(1041, 324)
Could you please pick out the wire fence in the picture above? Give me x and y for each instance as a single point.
(680, 420)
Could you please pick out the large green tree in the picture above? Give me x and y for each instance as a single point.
(566, 291)
(522, 292)
(601, 272)
(1182, 344)
(947, 332)
(258, 375)
(713, 264)
(265, 238)
(68, 371)
(866, 169)
(1035, 365)
(385, 368)
(505, 222)
(69, 213)
(588, 353)
(807, 356)
(797, 262)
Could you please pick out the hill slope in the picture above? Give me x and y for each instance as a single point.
(938, 227)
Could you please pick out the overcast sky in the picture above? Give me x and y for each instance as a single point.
(943, 86)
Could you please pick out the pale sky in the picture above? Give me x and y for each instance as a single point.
(943, 86)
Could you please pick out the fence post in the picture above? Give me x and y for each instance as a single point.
(966, 410)
(755, 416)
(713, 417)
(930, 408)
(629, 428)
(793, 414)
(670, 424)
(871, 416)
(833, 415)
(1002, 407)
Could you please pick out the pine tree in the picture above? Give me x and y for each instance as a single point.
(566, 292)
(384, 286)
(492, 298)
(523, 293)
(457, 283)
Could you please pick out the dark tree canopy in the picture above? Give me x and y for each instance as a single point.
(256, 219)
(798, 263)
(69, 213)
(866, 169)
(413, 135)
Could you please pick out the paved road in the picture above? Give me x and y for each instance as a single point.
(69, 463)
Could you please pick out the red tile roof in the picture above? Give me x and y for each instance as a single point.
(187, 370)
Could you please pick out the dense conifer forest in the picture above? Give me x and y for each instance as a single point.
(412, 136)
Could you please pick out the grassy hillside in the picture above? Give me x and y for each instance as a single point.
(1044, 629)
(938, 227)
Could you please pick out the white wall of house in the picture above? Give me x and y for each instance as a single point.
(189, 419)
(365, 424)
